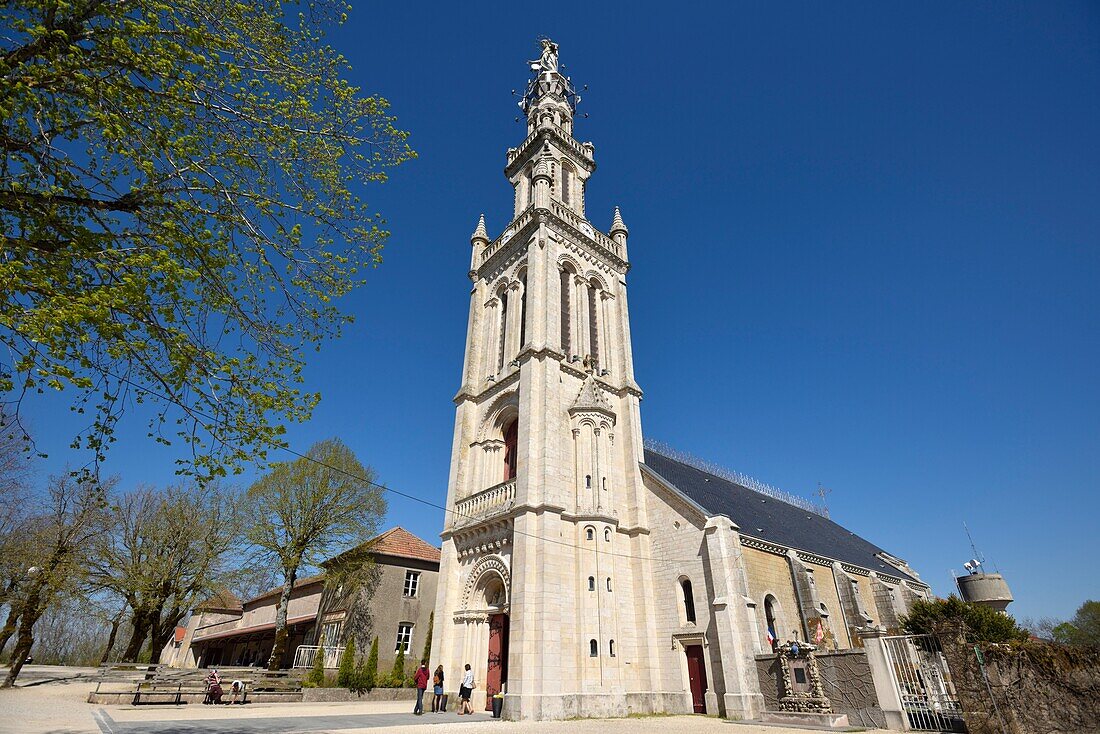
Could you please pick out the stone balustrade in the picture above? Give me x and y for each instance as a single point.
(488, 502)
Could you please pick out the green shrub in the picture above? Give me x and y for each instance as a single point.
(397, 675)
(984, 624)
(345, 676)
(368, 676)
(316, 675)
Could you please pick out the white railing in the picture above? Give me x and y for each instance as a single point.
(492, 501)
(579, 222)
(305, 655)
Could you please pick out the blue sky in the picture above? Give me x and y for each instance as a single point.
(866, 249)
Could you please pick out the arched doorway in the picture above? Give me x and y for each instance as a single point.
(496, 669)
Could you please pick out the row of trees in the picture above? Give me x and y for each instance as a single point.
(152, 554)
(988, 625)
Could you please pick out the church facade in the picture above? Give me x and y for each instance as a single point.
(584, 573)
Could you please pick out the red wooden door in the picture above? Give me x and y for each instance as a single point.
(497, 670)
(697, 677)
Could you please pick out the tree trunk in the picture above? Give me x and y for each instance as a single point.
(137, 637)
(279, 648)
(162, 631)
(114, 634)
(25, 639)
(10, 625)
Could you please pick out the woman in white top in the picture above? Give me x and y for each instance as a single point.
(464, 692)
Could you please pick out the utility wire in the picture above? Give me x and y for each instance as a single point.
(383, 487)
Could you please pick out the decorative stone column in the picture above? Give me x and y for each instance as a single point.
(889, 700)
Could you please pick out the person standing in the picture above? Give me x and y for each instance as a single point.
(421, 684)
(437, 691)
(465, 691)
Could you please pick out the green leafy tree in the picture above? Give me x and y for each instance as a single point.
(59, 536)
(345, 675)
(984, 624)
(315, 678)
(305, 510)
(180, 208)
(1083, 629)
(370, 669)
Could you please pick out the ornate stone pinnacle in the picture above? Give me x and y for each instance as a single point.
(617, 224)
(480, 233)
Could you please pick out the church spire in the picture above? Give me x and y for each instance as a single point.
(481, 234)
(550, 97)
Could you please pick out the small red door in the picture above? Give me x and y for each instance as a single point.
(697, 677)
(497, 670)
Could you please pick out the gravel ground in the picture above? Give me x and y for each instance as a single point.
(52, 701)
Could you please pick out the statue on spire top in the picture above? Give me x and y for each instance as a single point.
(548, 61)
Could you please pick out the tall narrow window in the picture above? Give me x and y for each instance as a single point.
(566, 182)
(565, 345)
(689, 601)
(503, 328)
(593, 330)
(511, 448)
(523, 310)
(593, 649)
(530, 186)
(404, 637)
(611, 648)
(609, 583)
(412, 583)
(591, 583)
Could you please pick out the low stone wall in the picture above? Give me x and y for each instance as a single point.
(333, 695)
(847, 681)
(1038, 687)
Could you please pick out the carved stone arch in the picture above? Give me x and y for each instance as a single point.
(567, 260)
(501, 283)
(592, 275)
(499, 413)
(492, 565)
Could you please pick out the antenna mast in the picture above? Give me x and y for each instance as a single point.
(821, 492)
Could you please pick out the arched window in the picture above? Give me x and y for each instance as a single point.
(590, 533)
(511, 449)
(588, 481)
(566, 346)
(530, 186)
(523, 309)
(771, 618)
(566, 182)
(503, 327)
(593, 649)
(611, 648)
(609, 583)
(607, 534)
(591, 583)
(593, 330)
(689, 601)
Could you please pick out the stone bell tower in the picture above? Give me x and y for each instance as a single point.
(546, 546)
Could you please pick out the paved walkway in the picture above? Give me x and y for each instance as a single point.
(52, 701)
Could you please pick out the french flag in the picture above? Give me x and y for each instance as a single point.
(771, 636)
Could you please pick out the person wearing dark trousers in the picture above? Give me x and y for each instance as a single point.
(421, 684)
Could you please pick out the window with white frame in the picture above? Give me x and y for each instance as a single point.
(404, 637)
(412, 582)
(330, 631)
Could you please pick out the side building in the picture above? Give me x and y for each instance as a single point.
(393, 577)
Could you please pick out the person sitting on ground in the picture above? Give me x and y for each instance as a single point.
(437, 691)
(465, 691)
(213, 688)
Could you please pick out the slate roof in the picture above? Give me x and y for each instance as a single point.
(766, 518)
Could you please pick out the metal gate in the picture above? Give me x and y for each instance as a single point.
(923, 682)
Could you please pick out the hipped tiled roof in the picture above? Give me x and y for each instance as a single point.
(401, 543)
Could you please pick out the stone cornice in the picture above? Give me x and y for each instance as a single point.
(750, 542)
(501, 249)
(849, 568)
(520, 156)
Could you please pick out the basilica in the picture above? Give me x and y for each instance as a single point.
(585, 571)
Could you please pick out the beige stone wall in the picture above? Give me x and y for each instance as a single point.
(390, 607)
(771, 574)
(827, 594)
